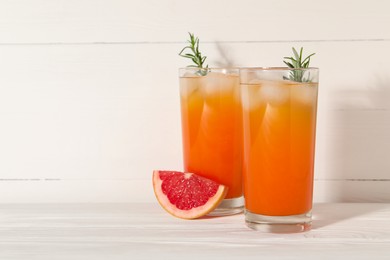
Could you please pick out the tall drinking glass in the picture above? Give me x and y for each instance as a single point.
(212, 130)
(279, 120)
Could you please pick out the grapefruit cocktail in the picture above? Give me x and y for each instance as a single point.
(212, 130)
(279, 119)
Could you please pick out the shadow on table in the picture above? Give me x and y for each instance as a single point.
(325, 214)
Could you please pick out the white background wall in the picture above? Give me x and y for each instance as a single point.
(89, 101)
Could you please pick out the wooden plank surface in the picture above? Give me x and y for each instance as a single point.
(117, 190)
(103, 113)
(143, 231)
(89, 102)
(72, 21)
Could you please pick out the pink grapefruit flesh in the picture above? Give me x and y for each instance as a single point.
(187, 195)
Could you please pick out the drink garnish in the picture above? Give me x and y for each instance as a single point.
(187, 195)
(195, 55)
(297, 62)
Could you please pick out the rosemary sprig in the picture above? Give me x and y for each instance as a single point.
(195, 55)
(297, 62)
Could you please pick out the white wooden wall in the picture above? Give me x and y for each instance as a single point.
(89, 101)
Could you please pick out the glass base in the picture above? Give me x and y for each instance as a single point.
(278, 224)
(228, 207)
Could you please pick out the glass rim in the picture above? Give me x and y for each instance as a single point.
(248, 69)
(275, 68)
(210, 68)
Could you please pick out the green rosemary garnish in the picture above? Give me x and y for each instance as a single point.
(195, 54)
(298, 63)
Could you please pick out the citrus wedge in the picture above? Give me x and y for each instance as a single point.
(187, 195)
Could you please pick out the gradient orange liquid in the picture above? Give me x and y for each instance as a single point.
(212, 128)
(279, 136)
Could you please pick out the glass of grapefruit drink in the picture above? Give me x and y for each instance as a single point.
(211, 117)
(279, 125)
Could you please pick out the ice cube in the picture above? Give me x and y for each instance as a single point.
(215, 84)
(304, 93)
(274, 92)
(189, 85)
(250, 97)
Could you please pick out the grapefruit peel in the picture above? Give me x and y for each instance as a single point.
(194, 212)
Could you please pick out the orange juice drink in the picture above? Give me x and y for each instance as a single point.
(212, 130)
(279, 118)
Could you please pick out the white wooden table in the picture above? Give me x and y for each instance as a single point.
(145, 231)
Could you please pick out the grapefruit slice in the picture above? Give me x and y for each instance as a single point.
(187, 195)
